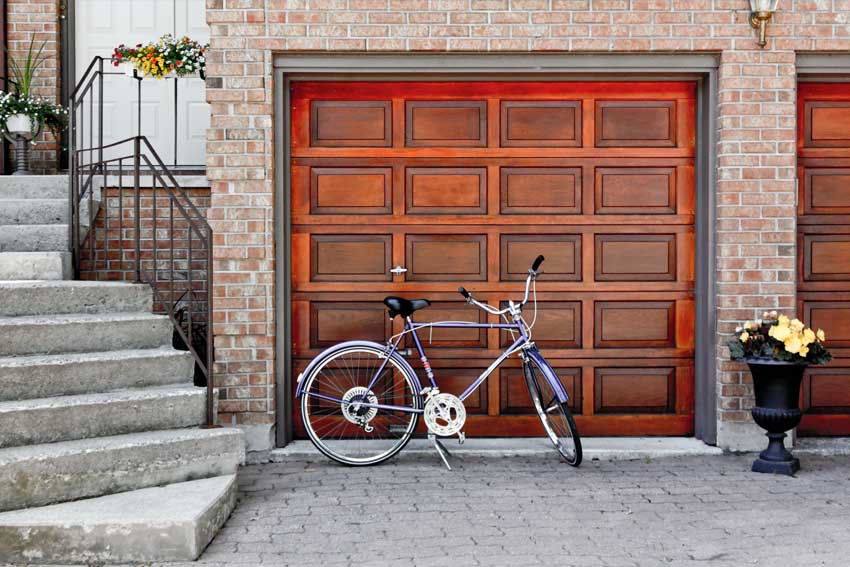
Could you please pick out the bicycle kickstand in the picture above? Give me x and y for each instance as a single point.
(441, 450)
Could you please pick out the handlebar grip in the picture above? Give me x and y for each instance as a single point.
(537, 262)
(462, 290)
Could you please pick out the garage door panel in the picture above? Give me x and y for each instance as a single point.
(446, 257)
(827, 124)
(562, 252)
(514, 397)
(826, 190)
(826, 257)
(446, 190)
(619, 324)
(635, 390)
(350, 257)
(477, 180)
(831, 316)
(437, 124)
(350, 190)
(540, 123)
(626, 257)
(346, 123)
(827, 390)
(635, 123)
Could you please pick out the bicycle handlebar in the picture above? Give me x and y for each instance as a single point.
(532, 275)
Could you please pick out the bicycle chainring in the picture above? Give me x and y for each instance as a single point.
(445, 414)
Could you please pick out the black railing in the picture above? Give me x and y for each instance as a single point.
(131, 220)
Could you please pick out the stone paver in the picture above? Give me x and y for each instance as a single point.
(694, 511)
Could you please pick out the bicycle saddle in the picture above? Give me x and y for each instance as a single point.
(404, 307)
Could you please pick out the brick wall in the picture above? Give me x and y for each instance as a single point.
(755, 149)
(39, 19)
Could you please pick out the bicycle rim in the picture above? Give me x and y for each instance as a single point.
(350, 434)
(555, 416)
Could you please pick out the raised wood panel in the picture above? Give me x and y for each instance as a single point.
(332, 322)
(559, 325)
(642, 257)
(346, 123)
(446, 190)
(456, 380)
(831, 316)
(540, 190)
(446, 123)
(827, 390)
(635, 123)
(635, 190)
(513, 391)
(826, 191)
(562, 252)
(458, 338)
(827, 124)
(635, 390)
(540, 123)
(351, 190)
(446, 257)
(826, 257)
(350, 257)
(627, 324)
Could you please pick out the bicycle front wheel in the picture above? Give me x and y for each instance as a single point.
(555, 416)
(336, 422)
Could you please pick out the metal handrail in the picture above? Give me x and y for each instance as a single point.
(167, 245)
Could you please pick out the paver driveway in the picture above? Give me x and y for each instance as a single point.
(697, 511)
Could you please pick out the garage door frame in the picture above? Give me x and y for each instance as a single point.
(540, 67)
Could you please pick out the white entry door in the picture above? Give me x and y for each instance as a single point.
(100, 26)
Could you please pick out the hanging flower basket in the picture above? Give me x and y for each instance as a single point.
(164, 58)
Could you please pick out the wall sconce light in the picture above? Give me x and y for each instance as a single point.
(762, 12)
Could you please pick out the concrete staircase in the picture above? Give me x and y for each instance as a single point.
(102, 457)
(34, 228)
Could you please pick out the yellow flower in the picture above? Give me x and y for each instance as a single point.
(808, 337)
(821, 335)
(745, 336)
(749, 325)
(780, 332)
(794, 344)
(797, 326)
(804, 350)
(784, 321)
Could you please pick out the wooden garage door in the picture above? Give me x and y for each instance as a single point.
(465, 183)
(823, 273)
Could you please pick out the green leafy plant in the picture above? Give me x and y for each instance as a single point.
(777, 337)
(23, 74)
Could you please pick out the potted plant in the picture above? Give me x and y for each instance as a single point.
(778, 350)
(23, 115)
(166, 57)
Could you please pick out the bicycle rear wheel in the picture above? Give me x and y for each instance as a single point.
(555, 416)
(335, 421)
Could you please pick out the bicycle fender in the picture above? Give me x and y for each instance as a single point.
(348, 344)
(556, 385)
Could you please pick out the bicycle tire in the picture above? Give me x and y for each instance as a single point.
(556, 417)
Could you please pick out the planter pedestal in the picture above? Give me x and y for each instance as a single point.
(777, 409)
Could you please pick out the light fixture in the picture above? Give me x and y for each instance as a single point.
(762, 12)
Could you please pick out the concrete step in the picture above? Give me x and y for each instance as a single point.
(44, 376)
(70, 296)
(169, 523)
(55, 334)
(38, 475)
(34, 237)
(65, 418)
(35, 266)
(33, 211)
(34, 187)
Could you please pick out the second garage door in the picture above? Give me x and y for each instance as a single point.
(465, 183)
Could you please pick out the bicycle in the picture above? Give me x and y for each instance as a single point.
(361, 401)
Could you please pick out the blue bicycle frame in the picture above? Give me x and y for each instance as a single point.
(410, 327)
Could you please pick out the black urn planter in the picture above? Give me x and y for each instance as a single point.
(777, 409)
